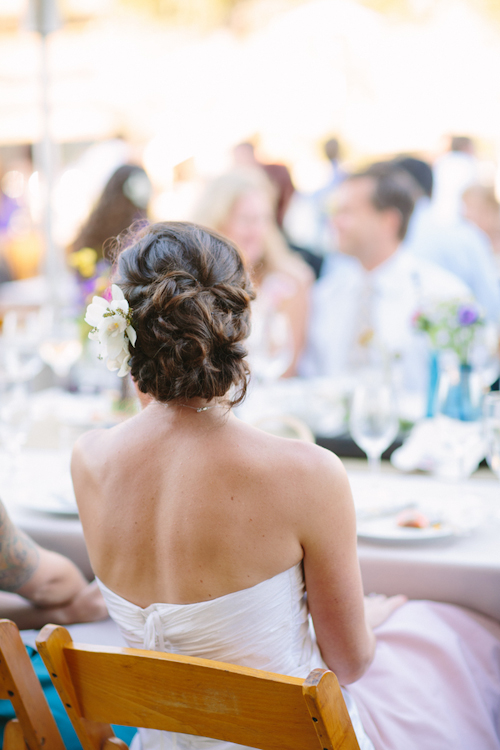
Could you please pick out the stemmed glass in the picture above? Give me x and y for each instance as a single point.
(373, 421)
(491, 424)
(20, 361)
(19, 364)
(15, 422)
(62, 346)
(270, 345)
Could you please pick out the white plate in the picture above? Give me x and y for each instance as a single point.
(386, 531)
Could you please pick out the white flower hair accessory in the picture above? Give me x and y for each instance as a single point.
(111, 323)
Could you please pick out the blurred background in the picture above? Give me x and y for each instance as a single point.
(175, 84)
(117, 111)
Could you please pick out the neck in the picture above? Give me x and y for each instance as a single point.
(379, 254)
(193, 406)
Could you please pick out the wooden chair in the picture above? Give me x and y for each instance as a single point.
(156, 690)
(34, 728)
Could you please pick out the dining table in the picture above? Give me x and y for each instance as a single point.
(458, 563)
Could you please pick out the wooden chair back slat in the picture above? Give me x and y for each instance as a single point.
(193, 696)
(21, 686)
(91, 734)
(13, 737)
(327, 708)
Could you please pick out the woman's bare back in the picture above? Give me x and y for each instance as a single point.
(179, 506)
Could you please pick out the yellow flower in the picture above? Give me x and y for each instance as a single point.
(84, 261)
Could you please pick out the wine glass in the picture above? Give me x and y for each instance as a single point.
(270, 345)
(19, 358)
(62, 345)
(373, 421)
(491, 424)
(15, 423)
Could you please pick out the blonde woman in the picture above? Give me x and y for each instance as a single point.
(240, 205)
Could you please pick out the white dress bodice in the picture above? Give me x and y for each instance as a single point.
(265, 627)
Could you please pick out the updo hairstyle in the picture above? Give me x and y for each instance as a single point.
(190, 297)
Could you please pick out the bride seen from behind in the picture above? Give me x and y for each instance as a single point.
(205, 533)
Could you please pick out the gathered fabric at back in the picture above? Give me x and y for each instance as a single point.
(266, 627)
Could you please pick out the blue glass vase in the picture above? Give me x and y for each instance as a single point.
(433, 385)
(458, 403)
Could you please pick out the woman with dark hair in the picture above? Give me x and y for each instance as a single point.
(205, 533)
(124, 200)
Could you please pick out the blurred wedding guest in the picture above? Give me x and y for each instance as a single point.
(454, 171)
(480, 206)
(331, 148)
(52, 588)
(456, 245)
(363, 305)
(323, 197)
(125, 199)
(278, 174)
(240, 205)
(8, 209)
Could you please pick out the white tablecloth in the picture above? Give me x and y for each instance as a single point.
(461, 570)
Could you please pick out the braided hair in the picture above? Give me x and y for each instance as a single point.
(190, 295)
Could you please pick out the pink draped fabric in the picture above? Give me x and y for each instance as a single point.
(434, 683)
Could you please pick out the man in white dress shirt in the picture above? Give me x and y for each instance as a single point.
(364, 304)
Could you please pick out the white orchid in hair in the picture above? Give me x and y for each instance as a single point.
(111, 323)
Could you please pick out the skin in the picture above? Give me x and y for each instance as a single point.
(485, 215)
(247, 226)
(47, 586)
(182, 507)
(363, 231)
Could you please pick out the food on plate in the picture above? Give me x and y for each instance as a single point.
(415, 519)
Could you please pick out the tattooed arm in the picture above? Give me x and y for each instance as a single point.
(55, 588)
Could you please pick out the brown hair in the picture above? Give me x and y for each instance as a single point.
(393, 189)
(123, 201)
(190, 297)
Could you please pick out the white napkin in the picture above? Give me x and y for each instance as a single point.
(446, 447)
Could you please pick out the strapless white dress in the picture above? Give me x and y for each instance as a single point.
(266, 627)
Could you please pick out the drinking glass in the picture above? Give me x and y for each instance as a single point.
(270, 345)
(373, 421)
(62, 345)
(491, 424)
(19, 358)
(15, 423)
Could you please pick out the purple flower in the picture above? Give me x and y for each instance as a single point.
(467, 315)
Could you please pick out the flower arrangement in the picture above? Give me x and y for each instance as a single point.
(111, 323)
(451, 325)
(92, 275)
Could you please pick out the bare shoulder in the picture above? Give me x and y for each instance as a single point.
(314, 467)
(88, 449)
(309, 470)
(95, 446)
(91, 454)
